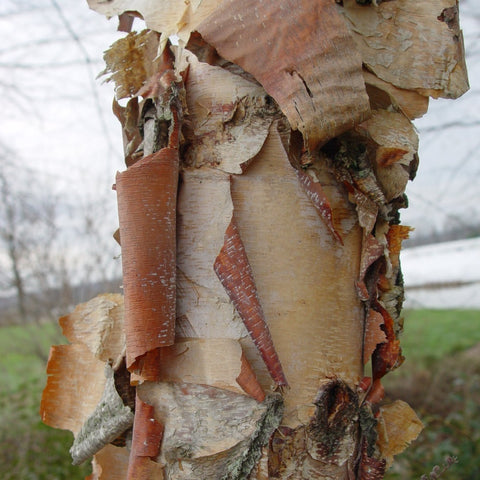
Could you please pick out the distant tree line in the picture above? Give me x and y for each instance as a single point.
(446, 233)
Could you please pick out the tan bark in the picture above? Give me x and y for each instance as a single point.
(412, 45)
(293, 163)
(316, 76)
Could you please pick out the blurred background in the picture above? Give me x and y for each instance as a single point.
(60, 147)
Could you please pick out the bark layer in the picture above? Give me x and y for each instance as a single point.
(259, 224)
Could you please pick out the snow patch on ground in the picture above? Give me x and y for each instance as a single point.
(444, 275)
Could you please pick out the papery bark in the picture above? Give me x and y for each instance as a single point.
(109, 463)
(147, 194)
(98, 324)
(411, 45)
(235, 274)
(146, 440)
(267, 158)
(63, 405)
(299, 267)
(312, 70)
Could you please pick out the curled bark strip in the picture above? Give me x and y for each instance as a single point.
(386, 358)
(147, 436)
(372, 250)
(395, 236)
(147, 193)
(62, 406)
(234, 272)
(147, 367)
(373, 334)
(320, 201)
(376, 393)
(248, 381)
(388, 355)
(110, 419)
(320, 89)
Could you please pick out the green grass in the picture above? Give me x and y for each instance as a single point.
(24, 355)
(29, 450)
(440, 382)
(440, 379)
(430, 335)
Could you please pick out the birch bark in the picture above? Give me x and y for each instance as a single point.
(288, 127)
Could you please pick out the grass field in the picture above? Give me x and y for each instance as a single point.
(29, 450)
(440, 380)
(431, 334)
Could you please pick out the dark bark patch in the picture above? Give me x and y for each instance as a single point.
(335, 419)
(450, 17)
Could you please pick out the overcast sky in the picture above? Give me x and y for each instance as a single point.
(56, 115)
(446, 188)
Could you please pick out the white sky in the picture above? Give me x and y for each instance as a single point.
(57, 116)
(446, 189)
(50, 112)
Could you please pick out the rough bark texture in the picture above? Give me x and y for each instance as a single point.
(259, 224)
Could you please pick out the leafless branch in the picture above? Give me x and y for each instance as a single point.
(91, 73)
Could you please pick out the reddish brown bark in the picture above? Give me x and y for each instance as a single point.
(147, 193)
(234, 271)
(146, 440)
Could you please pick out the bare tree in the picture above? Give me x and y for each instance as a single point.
(49, 263)
(8, 232)
(54, 237)
(27, 234)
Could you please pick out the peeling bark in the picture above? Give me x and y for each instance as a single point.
(234, 271)
(228, 117)
(62, 406)
(320, 201)
(384, 95)
(107, 422)
(199, 441)
(299, 267)
(406, 44)
(147, 202)
(98, 324)
(320, 88)
(260, 235)
(146, 440)
(398, 425)
(110, 463)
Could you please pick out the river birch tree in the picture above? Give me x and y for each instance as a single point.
(267, 156)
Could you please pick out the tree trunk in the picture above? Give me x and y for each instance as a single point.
(259, 224)
(10, 236)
